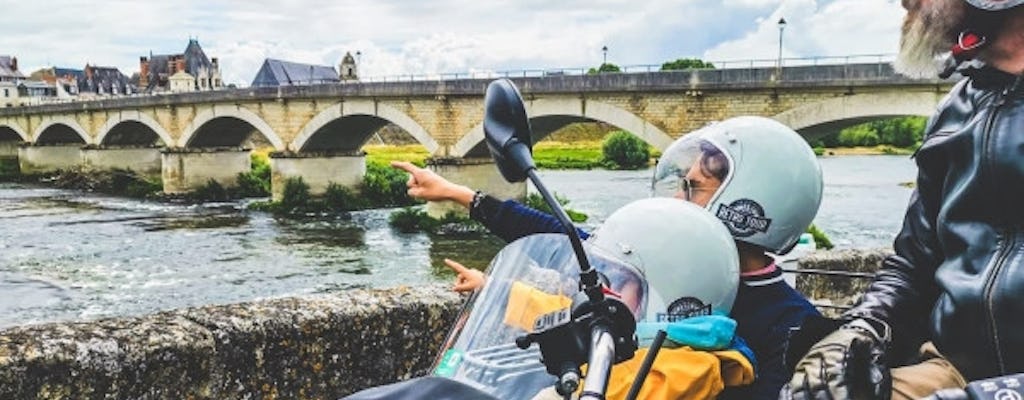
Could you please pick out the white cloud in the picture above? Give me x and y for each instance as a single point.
(416, 37)
(817, 28)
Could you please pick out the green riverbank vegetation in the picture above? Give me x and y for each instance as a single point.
(382, 187)
(896, 136)
(9, 169)
(115, 182)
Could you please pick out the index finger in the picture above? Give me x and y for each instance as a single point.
(405, 166)
(455, 266)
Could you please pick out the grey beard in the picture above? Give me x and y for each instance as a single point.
(919, 58)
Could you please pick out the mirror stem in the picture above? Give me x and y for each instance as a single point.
(588, 276)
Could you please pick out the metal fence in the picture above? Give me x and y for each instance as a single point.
(644, 68)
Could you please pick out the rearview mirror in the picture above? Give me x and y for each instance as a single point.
(507, 130)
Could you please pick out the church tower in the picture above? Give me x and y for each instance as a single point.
(347, 69)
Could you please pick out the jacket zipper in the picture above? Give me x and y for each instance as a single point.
(1007, 244)
(1005, 248)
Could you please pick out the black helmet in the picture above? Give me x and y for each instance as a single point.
(994, 5)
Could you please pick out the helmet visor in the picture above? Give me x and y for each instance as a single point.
(624, 281)
(693, 168)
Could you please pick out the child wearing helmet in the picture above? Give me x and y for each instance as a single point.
(757, 176)
(673, 265)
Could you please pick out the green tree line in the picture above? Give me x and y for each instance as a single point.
(900, 132)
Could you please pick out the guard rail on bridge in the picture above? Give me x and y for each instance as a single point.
(879, 59)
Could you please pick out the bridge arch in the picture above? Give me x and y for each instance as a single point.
(820, 118)
(549, 115)
(225, 120)
(13, 130)
(114, 130)
(365, 118)
(60, 130)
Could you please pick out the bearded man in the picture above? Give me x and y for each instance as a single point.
(948, 307)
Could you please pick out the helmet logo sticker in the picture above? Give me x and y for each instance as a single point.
(683, 308)
(744, 217)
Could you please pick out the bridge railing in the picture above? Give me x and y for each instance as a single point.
(753, 64)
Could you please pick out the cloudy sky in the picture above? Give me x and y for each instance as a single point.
(437, 36)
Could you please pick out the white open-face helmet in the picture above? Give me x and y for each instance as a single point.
(770, 178)
(685, 256)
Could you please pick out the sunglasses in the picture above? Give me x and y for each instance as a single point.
(688, 187)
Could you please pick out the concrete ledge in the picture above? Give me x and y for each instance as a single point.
(315, 347)
(838, 290)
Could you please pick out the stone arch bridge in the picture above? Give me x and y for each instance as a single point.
(317, 131)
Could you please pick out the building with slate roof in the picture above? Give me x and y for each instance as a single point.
(195, 71)
(92, 81)
(9, 70)
(287, 73)
(105, 81)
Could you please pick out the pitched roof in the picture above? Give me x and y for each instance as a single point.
(104, 80)
(7, 70)
(195, 60)
(286, 73)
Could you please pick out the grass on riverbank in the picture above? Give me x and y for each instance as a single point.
(384, 154)
(864, 151)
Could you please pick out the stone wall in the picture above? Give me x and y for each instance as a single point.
(838, 290)
(315, 347)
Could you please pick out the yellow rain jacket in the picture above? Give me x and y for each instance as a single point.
(677, 373)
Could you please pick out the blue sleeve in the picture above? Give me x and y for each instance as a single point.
(511, 220)
(779, 309)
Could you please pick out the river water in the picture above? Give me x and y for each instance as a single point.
(68, 255)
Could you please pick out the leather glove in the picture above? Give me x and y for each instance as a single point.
(847, 364)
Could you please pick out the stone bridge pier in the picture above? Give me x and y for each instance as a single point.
(145, 161)
(317, 169)
(9, 149)
(48, 157)
(474, 172)
(187, 169)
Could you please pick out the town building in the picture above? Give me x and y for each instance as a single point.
(9, 70)
(188, 71)
(89, 82)
(287, 73)
(10, 77)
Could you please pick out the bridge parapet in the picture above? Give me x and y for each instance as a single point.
(870, 74)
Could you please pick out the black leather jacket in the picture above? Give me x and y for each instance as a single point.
(958, 274)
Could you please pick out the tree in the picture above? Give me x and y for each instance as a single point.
(606, 67)
(899, 132)
(625, 151)
(686, 63)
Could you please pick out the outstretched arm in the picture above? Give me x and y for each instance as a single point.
(508, 219)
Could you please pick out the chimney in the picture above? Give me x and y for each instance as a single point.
(181, 64)
(216, 65)
(143, 72)
(14, 63)
(88, 72)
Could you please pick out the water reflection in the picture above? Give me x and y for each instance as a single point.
(474, 250)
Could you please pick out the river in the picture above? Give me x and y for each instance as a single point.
(68, 255)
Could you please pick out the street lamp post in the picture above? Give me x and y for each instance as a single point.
(604, 49)
(782, 27)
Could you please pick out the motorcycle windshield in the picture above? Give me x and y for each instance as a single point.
(528, 289)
